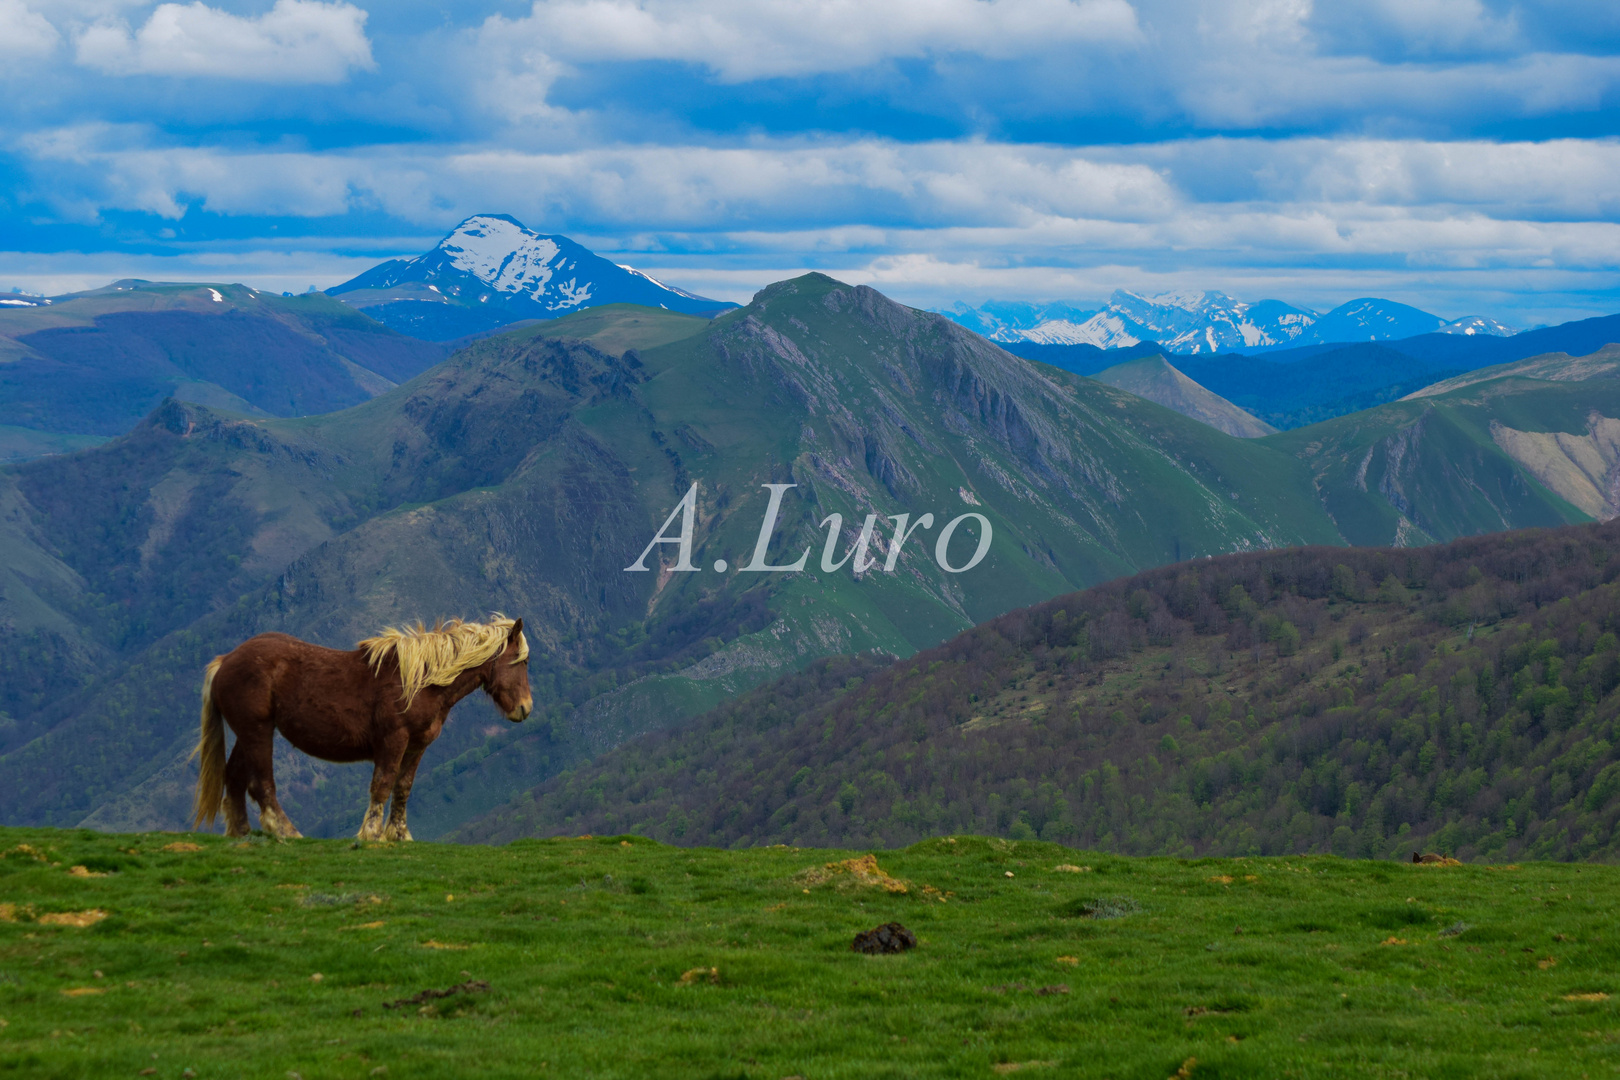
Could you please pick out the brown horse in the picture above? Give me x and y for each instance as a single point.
(385, 701)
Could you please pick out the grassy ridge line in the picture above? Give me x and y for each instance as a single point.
(1318, 700)
(206, 961)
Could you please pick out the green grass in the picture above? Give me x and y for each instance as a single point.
(207, 959)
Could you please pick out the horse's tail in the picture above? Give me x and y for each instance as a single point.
(211, 751)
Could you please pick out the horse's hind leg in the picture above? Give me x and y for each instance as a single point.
(236, 785)
(385, 769)
(261, 784)
(396, 829)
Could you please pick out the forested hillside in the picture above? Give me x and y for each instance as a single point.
(1363, 702)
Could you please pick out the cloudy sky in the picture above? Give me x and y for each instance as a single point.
(1459, 155)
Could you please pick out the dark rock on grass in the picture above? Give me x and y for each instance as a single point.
(888, 938)
(472, 986)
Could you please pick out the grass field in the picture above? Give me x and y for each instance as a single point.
(617, 957)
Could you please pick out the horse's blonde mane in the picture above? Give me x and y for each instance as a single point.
(435, 657)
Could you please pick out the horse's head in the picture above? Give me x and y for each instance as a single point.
(508, 681)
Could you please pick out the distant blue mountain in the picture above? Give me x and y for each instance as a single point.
(1370, 319)
(491, 271)
(1203, 323)
(1293, 387)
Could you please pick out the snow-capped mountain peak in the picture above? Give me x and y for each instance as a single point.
(1186, 301)
(509, 272)
(1207, 321)
(500, 252)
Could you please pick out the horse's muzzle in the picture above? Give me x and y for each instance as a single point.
(521, 713)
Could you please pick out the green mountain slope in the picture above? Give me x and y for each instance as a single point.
(1433, 468)
(1363, 702)
(527, 472)
(1155, 378)
(613, 328)
(94, 364)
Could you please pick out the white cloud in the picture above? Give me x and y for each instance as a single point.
(297, 41)
(920, 219)
(24, 32)
(1293, 195)
(163, 181)
(753, 39)
(55, 273)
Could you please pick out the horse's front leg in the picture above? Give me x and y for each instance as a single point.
(385, 770)
(396, 828)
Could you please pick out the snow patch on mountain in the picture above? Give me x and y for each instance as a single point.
(1186, 322)
(1473, 325)
(1191, 322)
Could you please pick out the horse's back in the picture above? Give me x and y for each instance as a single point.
(278, 648)
(269, 661)
(321, 699)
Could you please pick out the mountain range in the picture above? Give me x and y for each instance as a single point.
(1295, 387)
(524, 474)
(492, 271)
(527, 471)
(78, 369)
(1201, 323)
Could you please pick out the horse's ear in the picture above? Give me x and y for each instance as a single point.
(517, 629)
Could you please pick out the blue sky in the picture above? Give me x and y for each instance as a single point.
(1458, 155)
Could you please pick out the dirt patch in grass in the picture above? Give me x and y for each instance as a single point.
(693, 977)
(26, 851)
(859, 873)
(72, 918)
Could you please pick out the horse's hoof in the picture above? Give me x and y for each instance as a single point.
(277, 825)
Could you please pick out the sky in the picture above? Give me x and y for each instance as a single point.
(1457, 155)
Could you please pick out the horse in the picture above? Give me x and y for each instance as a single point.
(384, 701)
